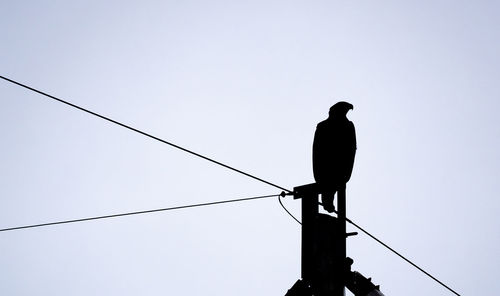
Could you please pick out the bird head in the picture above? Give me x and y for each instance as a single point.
(340, 109)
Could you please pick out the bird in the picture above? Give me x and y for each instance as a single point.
(334, 150)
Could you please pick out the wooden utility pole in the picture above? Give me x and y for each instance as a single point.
(326, 271)
(323, 243)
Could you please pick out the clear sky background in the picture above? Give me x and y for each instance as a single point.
(245, 82)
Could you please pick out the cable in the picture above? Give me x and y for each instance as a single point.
(380, 242)
(143, 133)
(401, 256)
(195, 205)
(279, 199)
(136, 213)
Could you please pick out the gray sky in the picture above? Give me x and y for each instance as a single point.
(245, 83)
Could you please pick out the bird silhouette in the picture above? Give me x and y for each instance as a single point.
(334, 149)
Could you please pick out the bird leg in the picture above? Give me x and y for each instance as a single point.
(327, 201)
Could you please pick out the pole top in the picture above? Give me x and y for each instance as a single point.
(304, 190)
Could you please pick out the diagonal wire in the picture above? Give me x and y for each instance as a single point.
(137, 213)
(401, 256)
(380, 242)
(196, 205)
(142, 133)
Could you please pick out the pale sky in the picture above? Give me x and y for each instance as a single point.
(245, 82)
